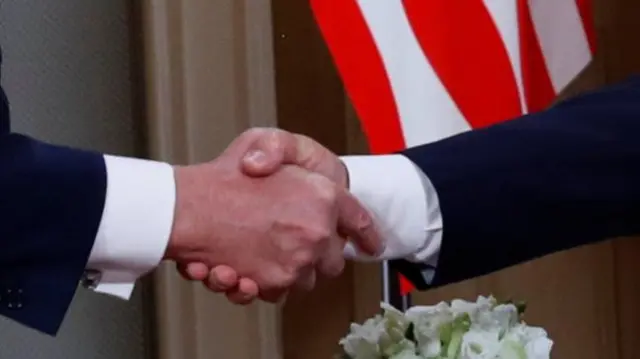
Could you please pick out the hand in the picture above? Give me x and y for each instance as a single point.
(265, 157)
(273, 230)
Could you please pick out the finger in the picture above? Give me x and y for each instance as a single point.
(258, 146)
(248, 287)
(357, 223)
(259, 163)
(193, 271)
(244, 293)
(331, 262)
(222, 278)
(268, 152)
(182, 269)
(239, 298)
(306, 279)
(278, 147)
(273, 296)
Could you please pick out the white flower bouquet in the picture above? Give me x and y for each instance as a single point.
(485, 329)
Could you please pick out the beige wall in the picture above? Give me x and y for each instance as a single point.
(208, 76)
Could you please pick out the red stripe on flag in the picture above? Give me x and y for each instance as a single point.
(466, 50)
(538, 89)
(405, 285)
(360, 64)
(586, 14)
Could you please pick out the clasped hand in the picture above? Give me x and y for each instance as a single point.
(266, 216)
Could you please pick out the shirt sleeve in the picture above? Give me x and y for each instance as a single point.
(136, 223)
(403, 203)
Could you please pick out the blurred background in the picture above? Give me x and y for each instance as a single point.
(176, 80)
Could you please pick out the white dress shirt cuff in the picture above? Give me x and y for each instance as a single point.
(136, 223)
(404, 205)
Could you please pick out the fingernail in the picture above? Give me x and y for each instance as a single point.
(256, 157)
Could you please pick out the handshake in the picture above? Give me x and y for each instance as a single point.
(265, 216)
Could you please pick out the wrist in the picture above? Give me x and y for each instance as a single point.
(182, 228)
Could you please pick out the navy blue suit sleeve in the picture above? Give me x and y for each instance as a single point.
(539, 184)
(51, 203)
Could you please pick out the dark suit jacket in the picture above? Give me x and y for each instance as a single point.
(51, 201)
(532, 186)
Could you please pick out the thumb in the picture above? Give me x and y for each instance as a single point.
(277, 147)
(268, 152)
(257, 151)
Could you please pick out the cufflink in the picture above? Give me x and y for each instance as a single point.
(12, 298)
(90, 279)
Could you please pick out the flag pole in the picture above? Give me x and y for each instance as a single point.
(391, 293)
(386, 286)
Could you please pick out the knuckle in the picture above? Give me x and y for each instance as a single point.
(332, 266)
(335, 269)
(302, 259)
(287, 279)
(283, 276)
(318, 234)
(275, 280)
(324, 189)
(303, 232)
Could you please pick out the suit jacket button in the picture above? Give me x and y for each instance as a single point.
(91, 279)
(13, 298)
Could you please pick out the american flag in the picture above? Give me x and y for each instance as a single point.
(419, 71)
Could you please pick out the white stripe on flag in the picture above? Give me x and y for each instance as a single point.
(426, 109)
(505, 15)
(562, 38)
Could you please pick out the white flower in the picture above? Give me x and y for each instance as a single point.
(497, 320)
(519, 342)
(482, 304)
(462, 330)
(407, 354)
(430, 323)
(477, 344)
(382, 335)
(526, 342)
(362, 341)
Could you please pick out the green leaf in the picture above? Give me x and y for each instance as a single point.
(446, 331)
(462, 322)
(456, 342)
(512, 350)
